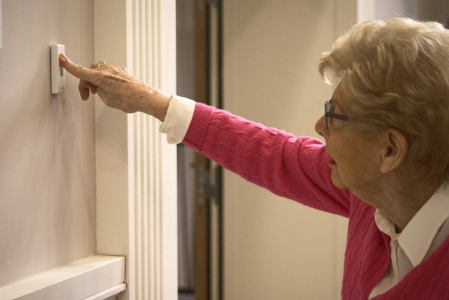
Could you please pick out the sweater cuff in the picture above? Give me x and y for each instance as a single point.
(197, 129)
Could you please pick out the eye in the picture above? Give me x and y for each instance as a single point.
(331, 108)
(330, 103)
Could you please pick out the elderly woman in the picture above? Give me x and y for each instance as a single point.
(384, 166)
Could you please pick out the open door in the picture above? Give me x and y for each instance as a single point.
(199, 205)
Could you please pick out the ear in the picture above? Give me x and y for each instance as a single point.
(394, 150)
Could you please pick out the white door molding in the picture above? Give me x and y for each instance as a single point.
(136, 168)
(365, 10)
(96, 277)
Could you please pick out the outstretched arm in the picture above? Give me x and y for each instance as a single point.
(118, 88)
(292, 167)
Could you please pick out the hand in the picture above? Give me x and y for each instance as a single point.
(118, 88)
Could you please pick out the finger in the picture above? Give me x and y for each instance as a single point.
(96, 65)
(84, 89)
(82, 73)
(93, 89)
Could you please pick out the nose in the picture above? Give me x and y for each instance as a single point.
(320, 128)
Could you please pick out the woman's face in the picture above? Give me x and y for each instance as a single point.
(355, 162)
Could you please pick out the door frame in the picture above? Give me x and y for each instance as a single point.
(136, 167)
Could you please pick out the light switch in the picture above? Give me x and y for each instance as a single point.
(57, 72)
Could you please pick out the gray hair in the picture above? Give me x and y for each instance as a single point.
(395, 74)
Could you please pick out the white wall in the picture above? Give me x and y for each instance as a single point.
(47, 166)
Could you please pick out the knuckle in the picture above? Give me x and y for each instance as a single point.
(115, 70)
(78, 69)
(107, 84)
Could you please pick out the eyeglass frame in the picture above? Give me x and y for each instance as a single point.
(329, 113)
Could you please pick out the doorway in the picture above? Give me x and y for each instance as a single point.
(199, 179)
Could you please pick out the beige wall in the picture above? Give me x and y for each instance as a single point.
(428, 10)
(47, 166)
(276, 248)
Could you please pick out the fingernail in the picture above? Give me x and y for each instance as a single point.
(63, 56)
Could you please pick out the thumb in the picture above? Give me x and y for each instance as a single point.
(79, 71)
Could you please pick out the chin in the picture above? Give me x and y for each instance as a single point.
(336, 180)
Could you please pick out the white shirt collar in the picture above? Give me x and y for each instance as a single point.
(417, 236)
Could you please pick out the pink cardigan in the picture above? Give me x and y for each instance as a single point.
(297, 168)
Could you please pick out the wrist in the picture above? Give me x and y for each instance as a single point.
(155, 104)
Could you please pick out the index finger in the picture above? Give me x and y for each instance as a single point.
(82, 73)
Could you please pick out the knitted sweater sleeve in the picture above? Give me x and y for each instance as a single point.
(292, 167)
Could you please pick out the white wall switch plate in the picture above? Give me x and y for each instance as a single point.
(57, 72)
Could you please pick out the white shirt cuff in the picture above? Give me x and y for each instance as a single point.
(177, 121)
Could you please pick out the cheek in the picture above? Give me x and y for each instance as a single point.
(355, 171)
(346, 173)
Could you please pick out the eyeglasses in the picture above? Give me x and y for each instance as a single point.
(329, 113)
